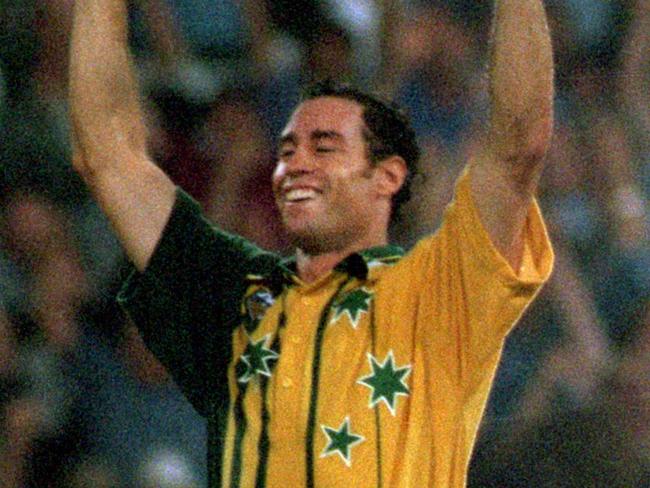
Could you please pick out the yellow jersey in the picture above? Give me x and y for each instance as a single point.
(375, 375)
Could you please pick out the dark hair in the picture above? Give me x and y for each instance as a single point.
(387, 131)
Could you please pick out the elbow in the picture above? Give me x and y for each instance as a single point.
(81, 166)
(526, 166)
(521, 152)
(538, 137)
(521, 130)
(99, 148)
(84, 164)
(83, 161)
(79, 157)
(533, 150)
(524, 139)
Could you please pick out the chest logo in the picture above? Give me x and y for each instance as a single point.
(255, 360)
(386, 382)
(353, 304)
(340, 441)
(258, 303)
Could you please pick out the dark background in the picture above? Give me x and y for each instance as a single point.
(84, 404)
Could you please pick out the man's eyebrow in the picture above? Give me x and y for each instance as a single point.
(317, 135)
(289, 138)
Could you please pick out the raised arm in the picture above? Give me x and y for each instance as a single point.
(504, 177)
(109, 134)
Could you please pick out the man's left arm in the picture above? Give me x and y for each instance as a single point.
(504, 176)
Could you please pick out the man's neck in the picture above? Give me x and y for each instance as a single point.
(310, 267)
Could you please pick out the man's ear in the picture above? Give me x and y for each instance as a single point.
(390, 173)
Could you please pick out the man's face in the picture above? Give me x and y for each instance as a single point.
(324, 184)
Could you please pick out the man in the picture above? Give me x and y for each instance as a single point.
(349, 365)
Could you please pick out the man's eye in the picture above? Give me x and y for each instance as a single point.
(285, 153)
(324, 149)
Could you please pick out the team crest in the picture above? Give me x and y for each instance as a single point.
(256, 305)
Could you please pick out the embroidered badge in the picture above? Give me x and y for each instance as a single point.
(258, 303)
(255, 306)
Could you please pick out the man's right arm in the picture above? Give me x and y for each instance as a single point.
(109, 134)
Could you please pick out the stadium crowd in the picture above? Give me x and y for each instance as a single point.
(83, 403)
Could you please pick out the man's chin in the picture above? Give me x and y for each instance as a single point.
(315, 242)
(303, 239)
(307, 239)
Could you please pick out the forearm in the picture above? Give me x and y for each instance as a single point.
(505, 175)
(109, 136)
(521, 83)
(105, 109)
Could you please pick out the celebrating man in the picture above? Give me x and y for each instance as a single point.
(352, 363)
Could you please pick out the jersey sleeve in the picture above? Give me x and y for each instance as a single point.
(186, 302)
(469, 296)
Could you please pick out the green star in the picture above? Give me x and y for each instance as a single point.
(386, 381)
(256, 358)
(340, 441)
(353, 304)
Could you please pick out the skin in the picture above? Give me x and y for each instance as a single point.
(322, 150)
(505, 175)
(351, 208)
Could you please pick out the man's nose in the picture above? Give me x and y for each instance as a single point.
(300, 162)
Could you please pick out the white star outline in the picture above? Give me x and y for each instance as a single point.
(354, 323)
(346, 423)
(389, 357)
(375, 263)
(246, 377)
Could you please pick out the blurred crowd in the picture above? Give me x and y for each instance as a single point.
(83, 403)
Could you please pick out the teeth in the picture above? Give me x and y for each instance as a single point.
(299, 194)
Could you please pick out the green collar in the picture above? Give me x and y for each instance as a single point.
(356, 264)
(383, 254)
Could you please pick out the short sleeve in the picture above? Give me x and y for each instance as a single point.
(468, 296)
(186, 302)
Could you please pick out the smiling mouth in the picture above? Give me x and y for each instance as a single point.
(297, 195)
